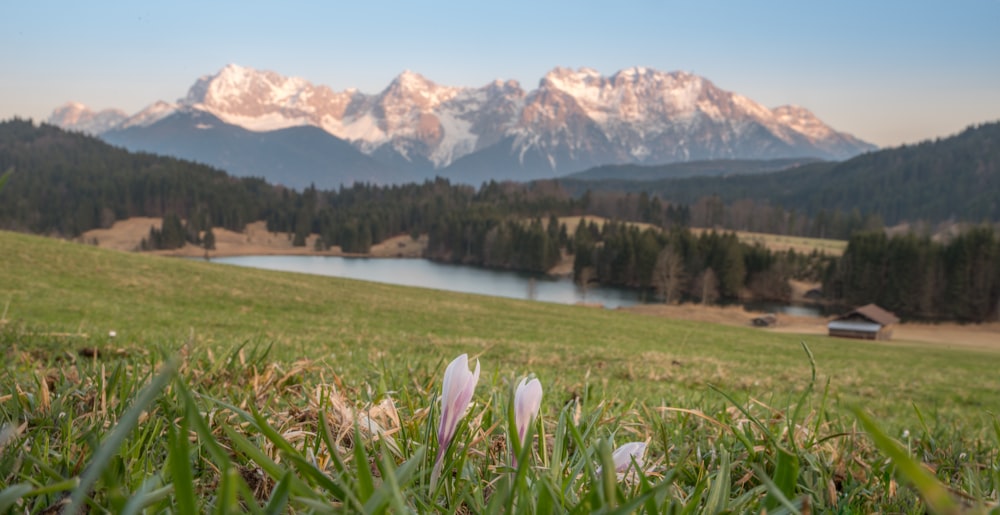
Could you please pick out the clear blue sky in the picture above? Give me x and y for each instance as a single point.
(889, 72)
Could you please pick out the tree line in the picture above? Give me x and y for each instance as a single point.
(919, 278)
(677, 264)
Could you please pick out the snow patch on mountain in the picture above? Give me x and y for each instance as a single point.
(149, 115)
(804, 122)
(363, 130)
(266, 122)
(457, 139)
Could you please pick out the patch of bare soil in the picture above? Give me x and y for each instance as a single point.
(564, 267)
(255, 239)
(980, 336)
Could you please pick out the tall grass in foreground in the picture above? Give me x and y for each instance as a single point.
(100, 428)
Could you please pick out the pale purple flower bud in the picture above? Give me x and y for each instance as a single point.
(623, 455)
(456, 392)
(527, 401)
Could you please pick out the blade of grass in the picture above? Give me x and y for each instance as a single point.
(128, 422)
(10, 495)
(226, 501)
(263, 461)
(144, 499)
(632, 505)
(180, 467)
(60, 486)
(764, 429)
(279, 496)
(774, 492)
(389, 492)
(786, 475)
(718, 496)
(931, 490)
(366, 484)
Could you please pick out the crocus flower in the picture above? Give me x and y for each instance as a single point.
(456, 391)
(624, 454)
(527, 401)
(622, 457)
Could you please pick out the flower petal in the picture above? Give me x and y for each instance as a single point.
(623, 455)
(527, 401)
(457, 388)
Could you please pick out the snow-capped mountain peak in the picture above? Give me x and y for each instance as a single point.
(78, 117)
(574, 119)
(413, 88)
(264, 100)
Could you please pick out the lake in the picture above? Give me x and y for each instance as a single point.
(442, 276)
(467, 279)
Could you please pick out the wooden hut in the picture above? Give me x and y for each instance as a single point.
(867, 322)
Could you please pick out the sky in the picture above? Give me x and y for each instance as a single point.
(890, 72)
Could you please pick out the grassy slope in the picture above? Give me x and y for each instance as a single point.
(362, 329)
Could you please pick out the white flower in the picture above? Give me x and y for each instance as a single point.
(527, 401)
(456, 391)
(623, 456)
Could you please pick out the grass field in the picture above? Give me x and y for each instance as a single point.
(781, 243)
(733, 417)
(774, 242)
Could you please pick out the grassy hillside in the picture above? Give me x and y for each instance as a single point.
(636, 377)
(67, 288)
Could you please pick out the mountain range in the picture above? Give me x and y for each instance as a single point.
(293, 132)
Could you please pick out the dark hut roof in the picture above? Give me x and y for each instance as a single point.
(873, 313)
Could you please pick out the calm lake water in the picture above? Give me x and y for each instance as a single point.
(466, 279)
(441, 276)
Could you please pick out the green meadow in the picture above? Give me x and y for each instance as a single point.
(232, 389)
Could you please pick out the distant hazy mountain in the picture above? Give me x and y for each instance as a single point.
(573, 120)
(294, 156)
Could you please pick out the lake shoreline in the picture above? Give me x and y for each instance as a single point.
(256, 240)
(127, 235)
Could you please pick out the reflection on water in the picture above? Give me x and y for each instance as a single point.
(441, 276)
(469, 279)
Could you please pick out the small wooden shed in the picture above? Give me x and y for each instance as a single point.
(868, 322)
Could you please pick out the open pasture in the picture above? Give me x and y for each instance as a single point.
(734, 418)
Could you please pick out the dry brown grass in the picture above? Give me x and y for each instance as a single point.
(255, 239)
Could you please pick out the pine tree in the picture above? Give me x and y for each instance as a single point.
(208, 240)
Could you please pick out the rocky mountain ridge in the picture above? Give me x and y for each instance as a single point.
(573, 120)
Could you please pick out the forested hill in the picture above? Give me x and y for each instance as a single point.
(952, 178)
(710, 168)
(66, 183)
